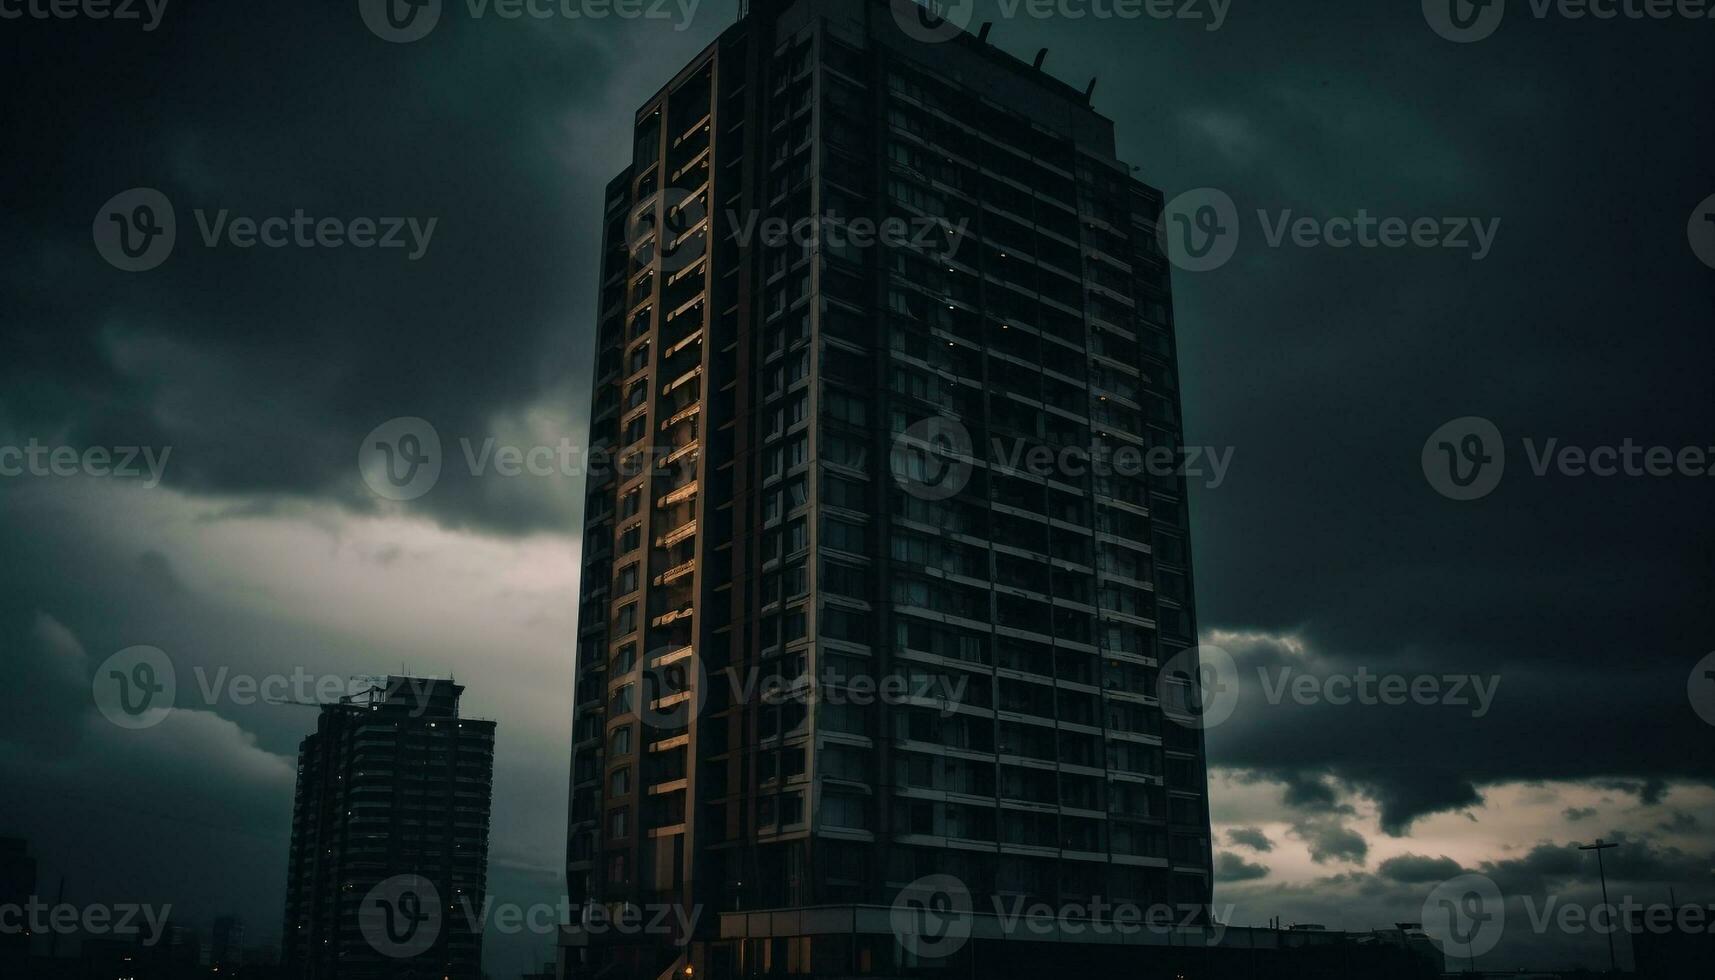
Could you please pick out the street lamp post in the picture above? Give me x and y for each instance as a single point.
(1599, 847)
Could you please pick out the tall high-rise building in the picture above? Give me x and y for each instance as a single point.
(882, 318)
(389, 844)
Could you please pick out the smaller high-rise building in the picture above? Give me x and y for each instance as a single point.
(390, 837)
(17, 886)
(226, 954)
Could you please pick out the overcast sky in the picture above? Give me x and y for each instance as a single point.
(1580, 603)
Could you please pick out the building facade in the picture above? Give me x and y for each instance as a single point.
(841, 627)
(390, 837)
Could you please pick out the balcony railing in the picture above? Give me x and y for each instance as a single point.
(678, 534)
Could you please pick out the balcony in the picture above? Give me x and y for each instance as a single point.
(689, 449)
(683, 532)
(696, 371)
(673, 616)
(690, 338)
(672, 656)
(700, 127)
(676, 573)
(682, 414)
(679, 494)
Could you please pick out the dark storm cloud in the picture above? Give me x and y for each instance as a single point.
(1648, 791)
(1231, 867)
(200, 806)
(156, 568)
(45, 660)
(1640, 861)
(1680, 823)
(1301, 790)
(1250, 837)
(1309, 790)
(1331, 840)
(1545, 877)
(1414, 759)
(1414, 869)
(170, 815)
(264, 368)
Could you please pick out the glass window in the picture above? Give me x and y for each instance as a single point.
(621, 703)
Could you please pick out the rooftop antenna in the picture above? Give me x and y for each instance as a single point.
(1089, 90)
(983, 32)
(1040, 57)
